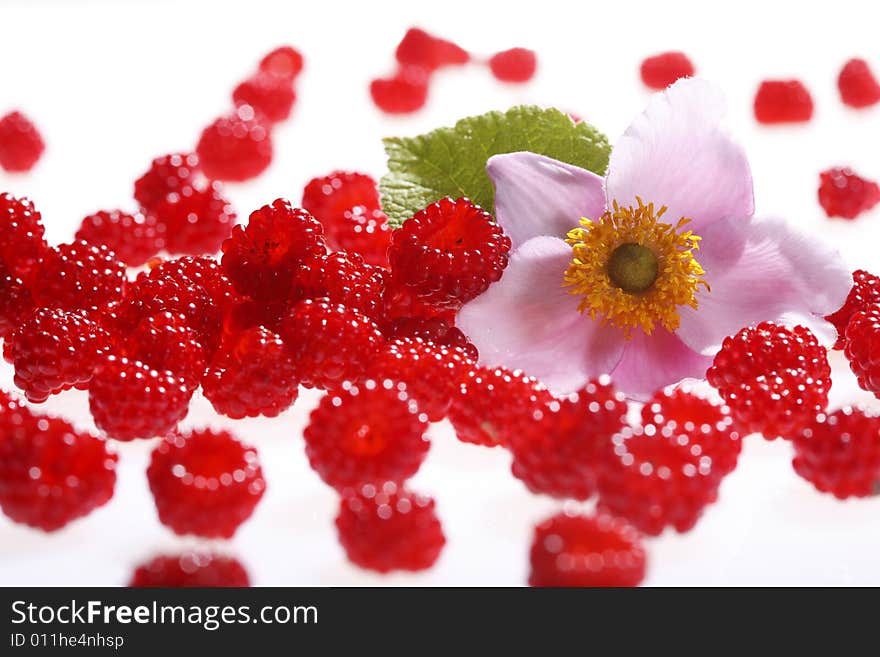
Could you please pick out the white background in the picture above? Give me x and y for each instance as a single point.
(113, 84)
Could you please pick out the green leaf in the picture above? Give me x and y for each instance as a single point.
(452, 161)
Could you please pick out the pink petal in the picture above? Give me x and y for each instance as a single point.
(761, 270)
(537, 195)
(676, 154)
(651, 362)
(528, 321)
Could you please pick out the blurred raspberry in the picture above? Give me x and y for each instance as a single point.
(167, 174)
(271, 96)
(20, 143)
(843, 193)
(783, 101)
(857, 85)
(190, 569)
(384, 528)
(236, 147)
(134, 238)
(423, 50)
(664, 69)
(403, 93)
(514, 65)
(196, 220)
(284, 62)
(205, 483)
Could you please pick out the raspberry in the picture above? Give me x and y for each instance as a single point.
(435, 330)
(55, 350)
(347, 205)
(773, 378)
(190, 569)
(857, 84)
(165, 341)
(418, 48)
(284, 62)
(403, 93)
(262, 258)
(662, 70)
(704, 425)
(252, 374)
(203, 272)
(236, 147)
(205, 483)
(130, 400)
(449, 253)
(783, 101)
(78, 275)
(342, 278)
(839, 453)
(329, 342)
(167, 174)
(50, 474)
(490, 405)
(366, 433)
(16, 302)
(431, 372)
(387, 528)
(576, 550)
(22, 229)
(134, 238)
(558, 453)
(655, 481)
(843, 193)
(514, 65)
(865, 291)
(401, 303)
(20, 143)
(863, 348)
(196, 220)
(247, 313)
(270, 95)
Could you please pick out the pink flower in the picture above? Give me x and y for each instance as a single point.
(667, 262)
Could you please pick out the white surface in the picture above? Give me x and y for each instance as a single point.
(112, 85)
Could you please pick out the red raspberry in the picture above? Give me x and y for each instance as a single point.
(22, 229)
(403, 93)
(386, 528)
(655, 481)
(165, 341)
(366, 433)
(167, 174)
(252, 374)
(270, 95)
(196, 220)
(204, 272)
(418, 48)
(514, 65)
(347, 205)
(16, 302)
(492, 404)
(55, 350)
(857, 84)
(342, 278)
(262, 258)
(431, 372)
(20, 143)
(773, 378)
(130, 400)
(865, 291)
(190, 569)
(247, 313)
(839, 453)
(78, 276)
(401, 303)
(449, 253)
(435, 330)
(843, 193)
(662, 70)
(284, 62)
(134, 238)
(863, 348)
(236, 147)
(205, 483)
(558, 453)
(783, 101)
(50, 474)
(329, 342)
(575, 550)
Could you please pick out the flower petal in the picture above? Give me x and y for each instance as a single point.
(677, 154)
(763, 270)
(528, 321)
(537, 195)
(651, 362)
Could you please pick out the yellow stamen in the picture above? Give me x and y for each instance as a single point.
(639, 294)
